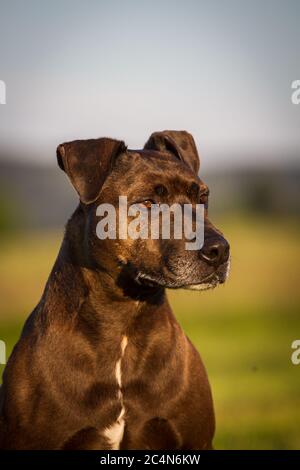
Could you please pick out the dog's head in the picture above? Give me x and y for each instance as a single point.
(164, 172)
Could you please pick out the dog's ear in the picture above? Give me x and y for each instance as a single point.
(180, 143)
(88, 163)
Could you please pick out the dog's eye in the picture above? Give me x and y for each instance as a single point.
(148, 203)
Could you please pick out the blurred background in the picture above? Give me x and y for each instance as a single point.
(222, 71)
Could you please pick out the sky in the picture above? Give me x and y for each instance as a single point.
(83, 69)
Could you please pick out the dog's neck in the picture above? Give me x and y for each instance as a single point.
(93, 286)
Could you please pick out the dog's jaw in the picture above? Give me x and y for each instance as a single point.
(212, 282)
(204, 286)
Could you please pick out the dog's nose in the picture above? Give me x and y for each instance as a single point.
(215, 251)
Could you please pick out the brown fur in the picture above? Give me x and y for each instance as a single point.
(59, 387)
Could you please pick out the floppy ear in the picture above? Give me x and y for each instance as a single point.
(88, 163)
(180, 143)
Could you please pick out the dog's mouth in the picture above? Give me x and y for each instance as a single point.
(219, 276)
(210, 282)
(213, 280)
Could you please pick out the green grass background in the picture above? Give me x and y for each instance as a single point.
(243, 329)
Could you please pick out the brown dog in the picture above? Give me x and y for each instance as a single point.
(102, 362)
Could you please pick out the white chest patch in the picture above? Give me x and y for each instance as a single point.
(114, 434)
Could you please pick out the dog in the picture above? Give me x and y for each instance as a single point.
(102, 362)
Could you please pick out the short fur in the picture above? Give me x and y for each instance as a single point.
(72, 377)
